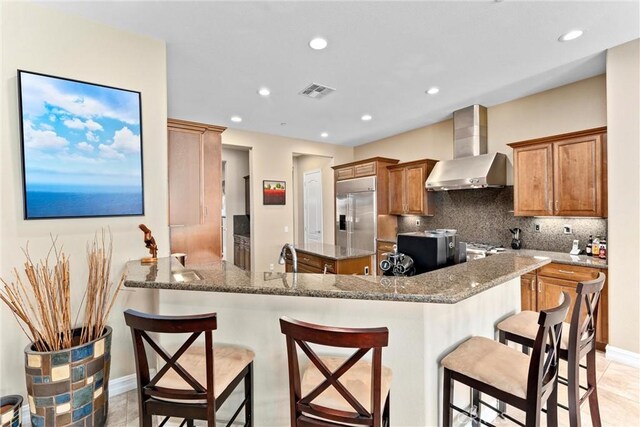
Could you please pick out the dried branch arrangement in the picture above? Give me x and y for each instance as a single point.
(42, 302)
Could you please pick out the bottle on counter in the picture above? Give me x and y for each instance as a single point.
(602, 250)
(595, 247)
(589, 247)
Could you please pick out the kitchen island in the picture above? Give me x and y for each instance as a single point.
(314, 257)
(427, 316)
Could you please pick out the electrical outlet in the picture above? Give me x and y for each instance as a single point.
(270, 267)
(537, 228)
(418, 222)
(286, 228)
(567, 229)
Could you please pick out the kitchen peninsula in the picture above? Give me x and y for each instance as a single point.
(427, 315)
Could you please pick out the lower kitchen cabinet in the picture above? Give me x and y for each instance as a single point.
(242, 252)
(542, 290)
(381, 249)
(313, 263)
(529, 292)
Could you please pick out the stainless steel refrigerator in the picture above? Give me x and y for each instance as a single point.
(356, 213)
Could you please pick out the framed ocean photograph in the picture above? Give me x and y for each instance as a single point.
(81, 148)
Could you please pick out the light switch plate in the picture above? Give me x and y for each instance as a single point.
(537, 228)
(567, 229)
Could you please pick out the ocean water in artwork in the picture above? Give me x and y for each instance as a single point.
(82, 148)
(69, 201)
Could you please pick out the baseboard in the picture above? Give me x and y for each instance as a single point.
(116, 386)
(624, 357)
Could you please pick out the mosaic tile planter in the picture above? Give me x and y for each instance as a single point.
(11, 410)
(69, 387)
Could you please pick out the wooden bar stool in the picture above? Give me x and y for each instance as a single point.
(194, 381)
(578, 341)
(334, 391)
(524, 382)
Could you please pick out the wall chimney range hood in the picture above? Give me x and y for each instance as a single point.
(471, 166)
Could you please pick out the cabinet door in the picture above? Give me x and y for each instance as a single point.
(414, 189)
(550, 291)
(365, 169)
(528, 292)
(533, 180)
(247, 258)
(345, 173)
(237, 255)
(578, 176)
(396, 191)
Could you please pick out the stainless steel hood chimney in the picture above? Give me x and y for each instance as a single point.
(471, 166)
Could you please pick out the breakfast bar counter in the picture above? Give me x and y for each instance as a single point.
(447, 285)
(427, 316)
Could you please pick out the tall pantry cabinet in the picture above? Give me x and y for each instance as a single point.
(195, 190)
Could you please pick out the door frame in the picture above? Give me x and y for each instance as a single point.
(304, 205)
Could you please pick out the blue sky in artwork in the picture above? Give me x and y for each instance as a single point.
(78, 135)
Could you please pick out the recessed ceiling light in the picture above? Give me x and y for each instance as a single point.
(236, 119)
(318, 43)
(366, 117)
(433, 90)
(324, 134)
(263, 91)
(571, 35)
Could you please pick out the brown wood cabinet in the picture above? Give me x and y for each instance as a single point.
(542, 290)
(407, 193)
(376, 166)
(529, 292)
(242, 252)
(195, 190)
(382, 248)
(561, 175)
(314, 263)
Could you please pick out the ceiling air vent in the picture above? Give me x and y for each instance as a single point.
(316, 91)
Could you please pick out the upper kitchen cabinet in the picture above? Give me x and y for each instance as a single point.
(561, 175)
(195, 190)
(376, 166)
(407, 192)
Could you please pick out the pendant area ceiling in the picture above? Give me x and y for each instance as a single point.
(380, 59)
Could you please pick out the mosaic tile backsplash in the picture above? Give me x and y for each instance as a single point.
(486, 216)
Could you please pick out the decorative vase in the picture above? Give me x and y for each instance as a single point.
(70, 386)
(11, 409)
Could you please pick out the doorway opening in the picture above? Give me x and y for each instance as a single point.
(236, 206)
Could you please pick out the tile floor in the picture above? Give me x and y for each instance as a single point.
(618, 392)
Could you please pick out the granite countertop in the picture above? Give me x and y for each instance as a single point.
(332, 251)
(564, 258)
(446, 286)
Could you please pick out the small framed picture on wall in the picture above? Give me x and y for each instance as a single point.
(274, 192)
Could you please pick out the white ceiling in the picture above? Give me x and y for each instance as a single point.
(381, 57)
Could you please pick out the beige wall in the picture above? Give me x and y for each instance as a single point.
(573, 107)
(272, 159)
(623, 114)
(302, 164)
(429, 142)
(236, 168)
(37, 39)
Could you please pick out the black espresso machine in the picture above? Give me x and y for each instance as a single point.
(424, 251)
